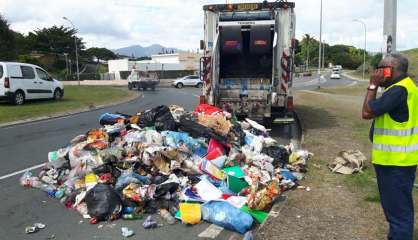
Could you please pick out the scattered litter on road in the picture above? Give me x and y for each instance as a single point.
(348, 162)
(126, 232)
(34, 228)
(187, 166)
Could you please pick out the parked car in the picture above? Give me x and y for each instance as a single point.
(21, 81)
(191, 80)
(335, 75)
(143, 80)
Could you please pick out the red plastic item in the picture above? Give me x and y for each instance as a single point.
(93, 221)
(207, 109)
(215, 149)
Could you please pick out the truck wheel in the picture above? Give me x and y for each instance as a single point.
(129, 86)
(179, 85)
(19, 98)
(199, 85)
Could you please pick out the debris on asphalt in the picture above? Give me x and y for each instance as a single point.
(34, 228)
(126, 232)
(348, 162)
(185, 166)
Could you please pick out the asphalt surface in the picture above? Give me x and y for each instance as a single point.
(26, 145)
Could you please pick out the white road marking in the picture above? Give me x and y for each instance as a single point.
(21, 171)
(211, 232)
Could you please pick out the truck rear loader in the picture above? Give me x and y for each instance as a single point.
(247, 67)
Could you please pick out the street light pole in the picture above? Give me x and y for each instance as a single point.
(320, 48)
(365, 46)
(76, 51)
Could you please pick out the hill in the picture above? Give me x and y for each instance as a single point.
(140, 51)
(412, 55)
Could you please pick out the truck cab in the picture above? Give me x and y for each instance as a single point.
(247, 66)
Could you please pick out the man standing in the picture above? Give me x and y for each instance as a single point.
(394, 134)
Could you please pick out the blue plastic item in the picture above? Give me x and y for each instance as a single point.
(226, 215)
(286, 174)
(110, 118)
(130, 177)
(175, 139)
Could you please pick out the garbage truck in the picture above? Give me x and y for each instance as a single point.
(247, 63)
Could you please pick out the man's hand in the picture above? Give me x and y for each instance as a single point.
(377, 77)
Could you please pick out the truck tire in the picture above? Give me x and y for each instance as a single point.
(18, 97)
(179, 85)
(129, 86)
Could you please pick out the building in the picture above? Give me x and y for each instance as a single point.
(167, 65)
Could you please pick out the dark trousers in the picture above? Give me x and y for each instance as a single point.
(395, 188)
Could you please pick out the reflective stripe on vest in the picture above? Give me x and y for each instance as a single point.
(394, 148)
(394, 143)
(395, 132)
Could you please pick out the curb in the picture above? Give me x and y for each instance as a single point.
(70, 113)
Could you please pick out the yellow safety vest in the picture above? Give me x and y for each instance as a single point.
(394, 143)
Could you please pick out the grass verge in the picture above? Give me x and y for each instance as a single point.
(75, 97)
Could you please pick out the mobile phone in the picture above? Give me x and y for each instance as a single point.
(387, 72)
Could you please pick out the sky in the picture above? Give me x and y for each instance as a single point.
(179, 23)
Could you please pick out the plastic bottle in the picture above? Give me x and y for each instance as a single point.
(167, 216)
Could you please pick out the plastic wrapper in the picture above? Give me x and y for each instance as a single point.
(225, 215)
(263, 198)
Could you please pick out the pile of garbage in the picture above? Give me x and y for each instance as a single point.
(191, 166)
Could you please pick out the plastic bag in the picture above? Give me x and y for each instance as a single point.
(190, 213)
(176, 139)
(130, 177)
(110, 118)
(225, 215)
(207, 109)
(160, 117)
(103, 203)
(279, 154)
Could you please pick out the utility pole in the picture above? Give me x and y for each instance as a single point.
(389, 26)
(365, 46)
(76, 51)
(323, 54)
(320, 48)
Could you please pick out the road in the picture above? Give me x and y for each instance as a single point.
(27, 145)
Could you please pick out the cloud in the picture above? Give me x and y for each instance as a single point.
(179, 23)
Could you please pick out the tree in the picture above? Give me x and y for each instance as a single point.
(55, 39)
(7, 41)
(375, 60)
(99, 53)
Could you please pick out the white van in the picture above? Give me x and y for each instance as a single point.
(21, 81)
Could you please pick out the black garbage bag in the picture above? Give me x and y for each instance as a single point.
(160, 117)
(103, 202)
(196, 130)
(107, 168)
(279, 154)
(162, 189)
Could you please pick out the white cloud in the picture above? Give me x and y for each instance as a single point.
(179, 23)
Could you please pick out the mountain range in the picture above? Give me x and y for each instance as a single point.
(140, 51)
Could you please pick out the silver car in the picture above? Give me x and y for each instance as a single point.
(192, 80)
